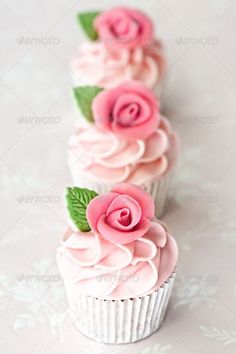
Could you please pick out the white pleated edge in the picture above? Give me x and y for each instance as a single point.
(120, 321)
(158, 189)
(159, 193)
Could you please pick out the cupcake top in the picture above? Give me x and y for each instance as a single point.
(122, 47)
(115, 249)
(124, 138)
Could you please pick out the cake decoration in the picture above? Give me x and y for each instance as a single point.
(86, 20)
(118, 27)
(123, 215)
(123, 260)
(116, 234)
(84, 96)
(130, 111)
(124, 137)
(121, 47)
(77, 202)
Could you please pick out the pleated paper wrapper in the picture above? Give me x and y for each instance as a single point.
(119, 321)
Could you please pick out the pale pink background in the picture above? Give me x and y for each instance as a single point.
(200, 101)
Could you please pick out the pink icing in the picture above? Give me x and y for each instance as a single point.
(103, 157)
(130, 110)
(124, 27)
(103, 269)
(95, 65)
(123, 215)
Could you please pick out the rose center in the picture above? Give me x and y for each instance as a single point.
(130, 110)
(124, 213)
(129, 114)
(120, 27)
(125, 217)
(125, 28)
(120, 219)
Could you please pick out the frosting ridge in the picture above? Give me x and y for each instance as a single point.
(95, 64)
(114, 271)
(102, 156)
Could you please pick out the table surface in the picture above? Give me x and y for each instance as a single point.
(37, 117)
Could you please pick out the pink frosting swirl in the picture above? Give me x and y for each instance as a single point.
(123, 215)
(124, 27)
(104, 269)
(95, 65)
(103, 157)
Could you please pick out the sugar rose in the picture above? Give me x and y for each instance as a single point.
(131, 111)
(124, 27)
(123, 215)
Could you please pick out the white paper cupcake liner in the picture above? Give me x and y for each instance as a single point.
(157, 189)
(120, 321)
(159, 192)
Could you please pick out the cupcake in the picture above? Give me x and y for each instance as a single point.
(121, 47)
(122, 137)
(117, 262)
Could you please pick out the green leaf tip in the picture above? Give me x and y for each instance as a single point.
(84, 96)
(77, 201)
(86, 21)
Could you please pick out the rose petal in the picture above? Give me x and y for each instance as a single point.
(120, 237)
(123, 103)
(142, 197)
(97, 207)
(102, 107)
(143, 130)
(114, 210)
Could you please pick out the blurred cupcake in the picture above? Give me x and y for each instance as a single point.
(117, 262)
(122, 47)
(123, 138)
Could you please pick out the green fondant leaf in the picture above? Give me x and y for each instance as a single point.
(86, 21)
(84, 96)
(77, 202)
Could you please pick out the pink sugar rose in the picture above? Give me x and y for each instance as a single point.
(123, 215)
(131, 111)
(124, 27)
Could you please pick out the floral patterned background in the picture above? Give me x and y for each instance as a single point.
(37, 117)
